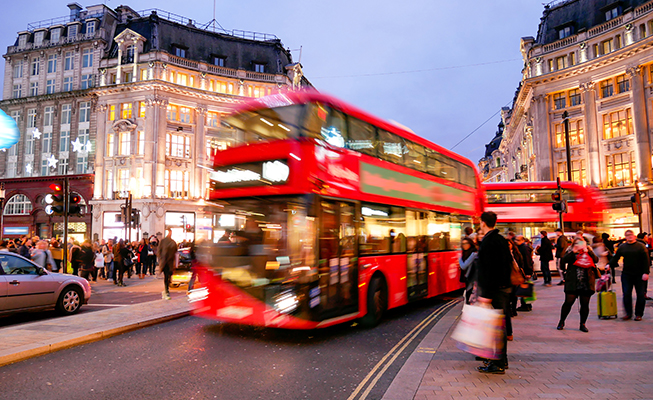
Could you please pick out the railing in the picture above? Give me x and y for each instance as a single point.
(260, 76)
(184, 62)
(605, 27)
(560, 43)
(60, 21)
(214, 69)
(643, 9)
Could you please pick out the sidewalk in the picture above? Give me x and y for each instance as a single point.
(613, 361)
(28, 340)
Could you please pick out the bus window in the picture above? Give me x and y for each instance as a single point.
(362, 137)
(467, 176)
(335, 131)
(391, 147)
(439, 231)
(315, 120)
(265, 124)
(383, 229)
(415, 156)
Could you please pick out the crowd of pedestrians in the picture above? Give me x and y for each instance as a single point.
(110, 259)
(488, 258)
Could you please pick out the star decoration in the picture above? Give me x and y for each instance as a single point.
(88, 146)
(77, 146)
(36, 133)
(52, 162)
(28, 168)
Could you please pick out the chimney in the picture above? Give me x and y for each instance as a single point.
(75, 9)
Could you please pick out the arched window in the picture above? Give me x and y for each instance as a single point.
(18, 205)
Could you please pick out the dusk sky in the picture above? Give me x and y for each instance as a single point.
(442, 68)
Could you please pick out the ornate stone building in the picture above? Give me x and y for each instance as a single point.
(160, 84)
(594, 60)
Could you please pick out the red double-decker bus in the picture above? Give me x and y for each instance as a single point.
(328, 214)
(526, 207)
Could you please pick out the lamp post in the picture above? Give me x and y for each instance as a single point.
(2, 209)
(565, 117)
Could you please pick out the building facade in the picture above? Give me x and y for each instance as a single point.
(592, 61)
(160, 86)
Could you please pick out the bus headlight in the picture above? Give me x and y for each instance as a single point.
(198, 294)
(286, 302)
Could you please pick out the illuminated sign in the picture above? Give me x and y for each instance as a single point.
(251, 174)
(16, 230)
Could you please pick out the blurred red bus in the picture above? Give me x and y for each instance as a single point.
(526, 207)
(335, 215)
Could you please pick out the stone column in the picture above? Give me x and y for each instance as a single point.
(148, 153)
(100, 143)
(118, 73)
(196, 186)
(591, 132)
(160, 145)
(643, 153)
(135, 67)
(542, 139)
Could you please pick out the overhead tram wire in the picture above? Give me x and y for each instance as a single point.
(479, 127)
(417, 70)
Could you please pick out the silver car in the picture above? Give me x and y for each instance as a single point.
(25, 286)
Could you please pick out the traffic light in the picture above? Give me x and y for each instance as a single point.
(55, 200)
(189, 228)
(560, 207)
(135, 218)
(636, 203)
(73, 204)
(556, 197)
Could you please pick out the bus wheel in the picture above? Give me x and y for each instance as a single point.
(377, 302)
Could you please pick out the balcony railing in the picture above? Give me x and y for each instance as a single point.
(597, 30)
(100, 34)
(644, 8)
(560, 43)
(260, 76)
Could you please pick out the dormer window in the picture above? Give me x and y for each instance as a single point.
(612, 13)
(219, 61)
(38, 38)
(72, 31)
(55, 34)
(259, 67)
(564, 32)
(180, 52)
(90, 27)
(22, 40)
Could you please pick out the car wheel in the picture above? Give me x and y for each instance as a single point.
(377, 302)
(70, 300)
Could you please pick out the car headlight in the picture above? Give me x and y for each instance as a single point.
(198, 294)
(286, 302)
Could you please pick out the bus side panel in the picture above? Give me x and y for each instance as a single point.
(444, 273)
(393, 268)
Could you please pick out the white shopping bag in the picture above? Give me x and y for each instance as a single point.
(480, 331)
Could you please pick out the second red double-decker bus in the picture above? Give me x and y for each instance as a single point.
(328, 214)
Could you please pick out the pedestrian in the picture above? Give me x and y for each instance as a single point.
(512, 300)
(99, 262)
(75, 257)
(560, 246)
(120, 255)
(143, 257)
(494, 286)
(107, 251)
(601, 252)
(167, 255)
(43, 257)
(225, 237)
(57, 253)
(154, 250)
(609, 245)
(87, 264)
(467, 263)
(580, 265)
(636, 267)
(25, 247)
(545, 251)
(527, 256)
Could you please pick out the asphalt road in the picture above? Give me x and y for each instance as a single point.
(193, 358)
(104, 294)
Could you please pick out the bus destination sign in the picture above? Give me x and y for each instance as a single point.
(251, 174)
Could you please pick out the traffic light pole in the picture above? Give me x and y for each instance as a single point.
(565, 116)
(639, 201)
(66, 196)
(561, 222)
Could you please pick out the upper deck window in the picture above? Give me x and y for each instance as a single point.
(265, 124)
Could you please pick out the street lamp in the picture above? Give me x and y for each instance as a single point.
(2, 208)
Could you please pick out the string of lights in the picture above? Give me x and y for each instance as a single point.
(416, 70)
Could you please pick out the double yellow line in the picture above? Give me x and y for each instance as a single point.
(389, 358)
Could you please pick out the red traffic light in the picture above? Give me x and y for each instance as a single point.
(555, 196)
(56, 187)
(75, 198)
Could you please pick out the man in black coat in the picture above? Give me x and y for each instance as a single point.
(561, 246)
(494, 286)
(545, 251)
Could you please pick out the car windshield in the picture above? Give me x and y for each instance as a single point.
(263, 242)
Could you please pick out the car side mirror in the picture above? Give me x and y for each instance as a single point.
(42, 271)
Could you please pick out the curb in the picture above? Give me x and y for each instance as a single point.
(38, 349)
(409, 378)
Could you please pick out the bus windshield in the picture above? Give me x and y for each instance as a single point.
(262, 243)
(264, 124)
